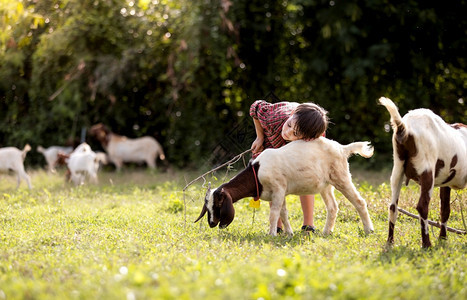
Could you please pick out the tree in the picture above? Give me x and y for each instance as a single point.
(186, 72)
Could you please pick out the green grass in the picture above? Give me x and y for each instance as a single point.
(130, 237)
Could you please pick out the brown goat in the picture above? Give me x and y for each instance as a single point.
(122, 149)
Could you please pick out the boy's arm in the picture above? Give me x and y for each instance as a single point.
(257, 145)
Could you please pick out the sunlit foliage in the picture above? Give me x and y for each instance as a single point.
(186, 71)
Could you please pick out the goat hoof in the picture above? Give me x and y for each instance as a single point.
(426, 245)
(388, 246)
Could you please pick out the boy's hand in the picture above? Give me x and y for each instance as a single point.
(257, 145)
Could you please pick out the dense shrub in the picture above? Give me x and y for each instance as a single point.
(186, 72)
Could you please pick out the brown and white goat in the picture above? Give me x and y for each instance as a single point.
(81, 163)
(51, 155)
(11, 158)
(299, 168)
(122, 149)
(430, 152)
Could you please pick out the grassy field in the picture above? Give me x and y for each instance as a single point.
(133, 237)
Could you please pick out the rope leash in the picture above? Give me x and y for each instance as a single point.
(432, 223)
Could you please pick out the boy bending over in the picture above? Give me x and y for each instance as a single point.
(283, 122)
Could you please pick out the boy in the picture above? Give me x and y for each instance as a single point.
(279, 123)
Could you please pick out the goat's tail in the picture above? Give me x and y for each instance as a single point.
(161, 153)
(396, 120)
(361, 148)
(26, 149)
(40, 149)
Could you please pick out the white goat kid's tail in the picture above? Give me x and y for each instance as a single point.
(361, 148)
(40, 149)
(26, 149)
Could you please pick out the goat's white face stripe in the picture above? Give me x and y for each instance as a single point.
(210, 204)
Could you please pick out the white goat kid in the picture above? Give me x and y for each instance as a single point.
(51, 155)
(12, 158)
(83, 147)
(299, 168)
(122, 149)
(81, 163)
(430, 152)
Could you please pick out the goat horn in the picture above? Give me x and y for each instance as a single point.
(203, 212)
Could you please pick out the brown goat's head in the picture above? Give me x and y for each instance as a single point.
(62, 158)
(219, 206)
(100, 131)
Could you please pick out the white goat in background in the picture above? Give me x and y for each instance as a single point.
(81, 163)
(122, 149)
(51, 155)
(12, 158)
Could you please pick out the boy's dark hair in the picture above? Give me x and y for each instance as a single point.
(311, 121)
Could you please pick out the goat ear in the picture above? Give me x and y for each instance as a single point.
(219, 196)
(227, 212)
